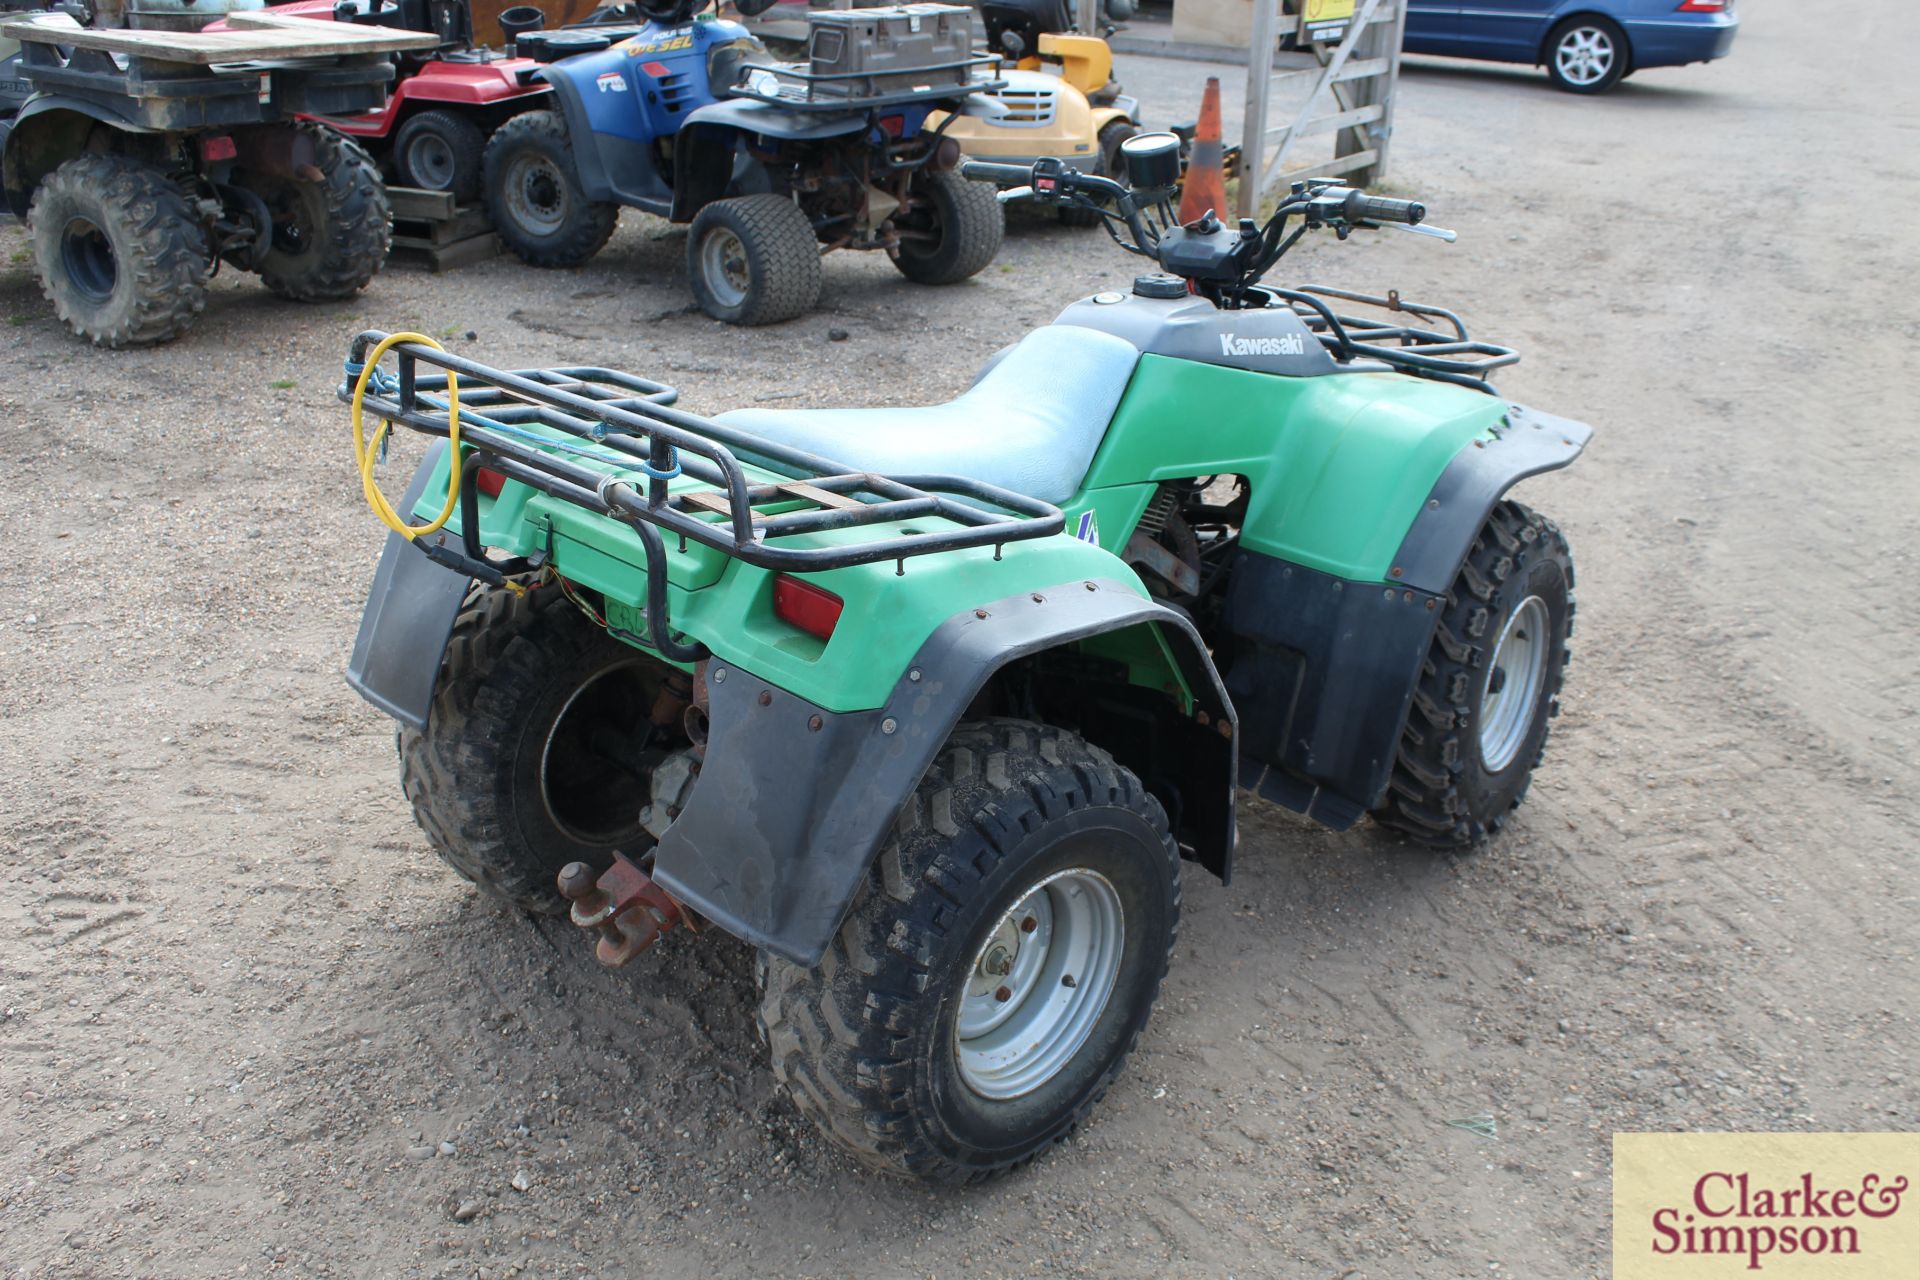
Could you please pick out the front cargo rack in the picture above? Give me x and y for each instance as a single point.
(1446, 357)
(797, 88)
(636, 443)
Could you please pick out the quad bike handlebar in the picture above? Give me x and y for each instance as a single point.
(1223, 263)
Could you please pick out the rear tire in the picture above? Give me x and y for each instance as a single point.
(441, 151)
(506, 781)
(330, 237)
(966, 225)
(119, 252)
(1490, 684)
(901, 1045)
(533, 194)
(1587, 54)
(753, 260)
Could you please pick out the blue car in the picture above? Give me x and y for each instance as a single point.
(1587, 46)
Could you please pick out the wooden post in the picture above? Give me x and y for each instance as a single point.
(1264, 42)
(1380, 40)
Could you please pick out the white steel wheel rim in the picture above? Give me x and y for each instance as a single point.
(1039, 983)
(723, 264)
(1585, 55)
(1515, 680)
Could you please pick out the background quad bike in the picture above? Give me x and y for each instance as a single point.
(654, 126)
(132, 202)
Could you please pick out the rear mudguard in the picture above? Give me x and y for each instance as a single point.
(794, 802)
(48, 132)
(710, 160)
(774, 842)
(1324, 666)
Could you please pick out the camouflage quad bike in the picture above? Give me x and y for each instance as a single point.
(928, 705)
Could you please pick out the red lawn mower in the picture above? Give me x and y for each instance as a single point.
(448, 101)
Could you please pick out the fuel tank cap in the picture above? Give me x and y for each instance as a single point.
(1159, 285)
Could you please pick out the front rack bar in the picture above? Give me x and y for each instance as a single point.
(1455, 357)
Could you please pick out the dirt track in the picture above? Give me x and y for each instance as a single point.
(242, 1006)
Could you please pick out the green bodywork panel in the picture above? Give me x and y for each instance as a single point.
(727, 604)
(1338, 466)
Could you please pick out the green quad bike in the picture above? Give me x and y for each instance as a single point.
(928, 704)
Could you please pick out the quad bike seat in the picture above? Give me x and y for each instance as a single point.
(1031, 423)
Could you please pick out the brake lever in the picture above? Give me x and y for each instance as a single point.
(1422, 229)
(1012, 194)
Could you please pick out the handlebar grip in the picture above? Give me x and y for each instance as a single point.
(1362, 207)
(1000, 174)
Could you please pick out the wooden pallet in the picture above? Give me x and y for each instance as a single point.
(430, 229)
(254, 37)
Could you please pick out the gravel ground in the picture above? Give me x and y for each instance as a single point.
(249, 1025)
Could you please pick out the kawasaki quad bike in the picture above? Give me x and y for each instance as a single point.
(771, 165)
(928, 704)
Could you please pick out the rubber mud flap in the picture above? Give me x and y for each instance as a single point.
(409, 615)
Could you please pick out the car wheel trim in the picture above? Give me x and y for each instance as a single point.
(1584, 56)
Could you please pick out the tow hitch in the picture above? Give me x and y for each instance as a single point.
(624, 905)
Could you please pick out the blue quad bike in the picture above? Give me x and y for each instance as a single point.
(772, 165)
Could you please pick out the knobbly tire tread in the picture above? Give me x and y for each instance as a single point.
(588, 231)
(358, 229)
(783, 252)
(972, 209)
(499, 638)
(1424, 798)
(166, 252)
(835, 1033)
(463, 136)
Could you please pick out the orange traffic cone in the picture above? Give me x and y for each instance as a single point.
(1205, 186)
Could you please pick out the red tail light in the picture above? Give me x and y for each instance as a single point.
(803, 605)
(1702, 6)
(488, 481)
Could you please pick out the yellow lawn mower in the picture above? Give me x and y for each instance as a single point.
(1059, 98)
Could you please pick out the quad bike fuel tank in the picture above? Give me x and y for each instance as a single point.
(1161, 318)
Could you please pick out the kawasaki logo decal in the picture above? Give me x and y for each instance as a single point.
(1291, 344)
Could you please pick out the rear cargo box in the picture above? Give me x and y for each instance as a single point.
(861, 53)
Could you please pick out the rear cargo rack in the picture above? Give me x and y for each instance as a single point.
(629, 424)
(1446, 357)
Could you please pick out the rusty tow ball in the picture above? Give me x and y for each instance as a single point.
(624, 906)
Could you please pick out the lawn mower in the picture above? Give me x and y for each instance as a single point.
(149, 155)
(927, 705)
(770, 164)
(1059, 99)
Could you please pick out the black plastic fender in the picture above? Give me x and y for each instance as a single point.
(1324, 668)
(48, 132)
(410, 612)
(610, 168)
(794, 802)
(711, 163)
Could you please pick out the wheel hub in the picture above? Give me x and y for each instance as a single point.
(1585, 55)
(723, 261)
(1516, 679)
(431, 161)
(87, 257)
(1038, 984)
(537, 195)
